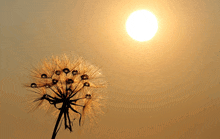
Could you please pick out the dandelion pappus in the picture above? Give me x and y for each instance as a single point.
(70, 87)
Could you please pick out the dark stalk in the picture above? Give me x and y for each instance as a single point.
(58, 121)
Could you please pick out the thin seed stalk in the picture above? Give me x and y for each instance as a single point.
(58, 121)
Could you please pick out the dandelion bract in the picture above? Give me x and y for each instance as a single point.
(71, 88)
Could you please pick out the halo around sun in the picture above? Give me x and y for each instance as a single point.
(141, 25)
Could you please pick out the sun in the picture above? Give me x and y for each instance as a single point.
(141, 25)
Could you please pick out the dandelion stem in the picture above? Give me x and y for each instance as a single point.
(58, 121)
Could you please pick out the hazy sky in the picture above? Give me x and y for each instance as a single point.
(164, 88)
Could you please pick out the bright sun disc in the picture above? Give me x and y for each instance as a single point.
(141, 25)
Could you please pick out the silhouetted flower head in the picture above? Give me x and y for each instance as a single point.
(71, 87)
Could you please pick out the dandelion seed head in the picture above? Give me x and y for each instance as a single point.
(75, 83)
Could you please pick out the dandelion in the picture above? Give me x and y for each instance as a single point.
(71, 88)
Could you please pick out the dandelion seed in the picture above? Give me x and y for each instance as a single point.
(69, 91)
(33, 85)
(57, 72)
(84, 77)
(66, 70)
(88, 96)
(54, 81)
(69, 81)
(47, 85)
(74, 72)
(86, 84)
(71, 94)
(44, 76)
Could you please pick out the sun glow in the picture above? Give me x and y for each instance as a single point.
(141, 25)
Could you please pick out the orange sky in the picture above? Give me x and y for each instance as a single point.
(164, 88)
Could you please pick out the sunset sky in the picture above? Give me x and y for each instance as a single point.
(164, 88)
